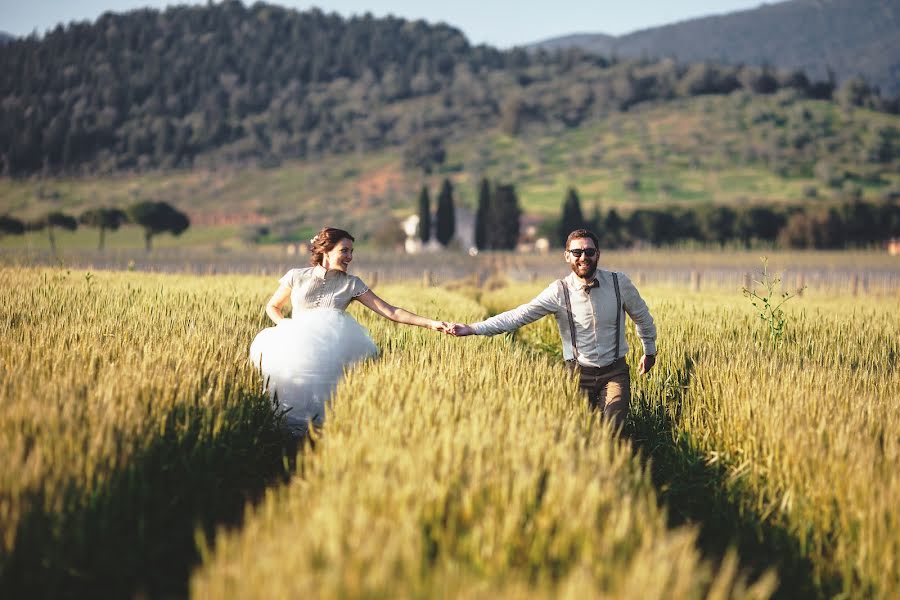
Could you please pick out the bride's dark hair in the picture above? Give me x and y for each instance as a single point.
(324, 241)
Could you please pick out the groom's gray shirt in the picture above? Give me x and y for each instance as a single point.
(594, 313)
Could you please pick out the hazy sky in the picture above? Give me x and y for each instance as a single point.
(501, 23)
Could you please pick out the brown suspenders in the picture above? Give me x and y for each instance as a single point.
(565, 291)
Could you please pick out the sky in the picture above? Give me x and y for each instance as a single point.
(500, 23)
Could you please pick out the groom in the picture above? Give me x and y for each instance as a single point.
(589, 306)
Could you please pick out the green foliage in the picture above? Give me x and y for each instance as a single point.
(51, 221)
(611, 234)
(58, 219)
(103, 219)
(445, 217)
(572, 218)
(768, 305)
(156, 218)
(226, 83)
(717, 223)
(424, 215)
(425, 152)
(497, 217)
(758, 223)
(11, 226)
(482, 214)
(504, 218)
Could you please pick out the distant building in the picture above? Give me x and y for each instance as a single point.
(464, 234)
(465, 227)
(410, 226)
(893, 246)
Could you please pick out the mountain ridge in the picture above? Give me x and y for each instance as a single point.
(842, 37)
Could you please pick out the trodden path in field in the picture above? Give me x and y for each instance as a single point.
(696, 492)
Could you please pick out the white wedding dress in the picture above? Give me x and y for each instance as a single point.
(303, 358)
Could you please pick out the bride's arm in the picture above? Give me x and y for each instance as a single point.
(397, 314)
(273, 308)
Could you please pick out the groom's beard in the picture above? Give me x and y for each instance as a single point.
(585, 270)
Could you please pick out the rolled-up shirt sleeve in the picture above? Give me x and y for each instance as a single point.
(640, 314)
(545, 303)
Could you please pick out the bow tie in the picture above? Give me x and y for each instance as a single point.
(590, 284)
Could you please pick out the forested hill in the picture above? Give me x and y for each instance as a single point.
(226, 83)
(851, 38)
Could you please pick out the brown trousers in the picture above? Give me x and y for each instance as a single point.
(608, 388)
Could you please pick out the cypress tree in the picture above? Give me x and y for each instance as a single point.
(446, 216)
(612, 229)
(572, 217)
(596, 222)
(482, 216)
(424, 215)
(504, 219)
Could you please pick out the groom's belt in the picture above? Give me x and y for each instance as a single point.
(617, 364)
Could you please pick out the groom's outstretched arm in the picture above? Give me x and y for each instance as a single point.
(547, 302)
(460, 330)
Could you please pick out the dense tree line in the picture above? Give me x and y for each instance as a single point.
(852, 223)
(226, 83)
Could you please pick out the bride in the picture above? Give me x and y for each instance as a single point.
(303, 357)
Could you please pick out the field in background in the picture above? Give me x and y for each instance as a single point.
(854, 272)
(448, 467)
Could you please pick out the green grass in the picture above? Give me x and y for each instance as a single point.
(126, 238)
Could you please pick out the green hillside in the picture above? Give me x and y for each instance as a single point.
(735, 150)
(230, 85)
(244, 117)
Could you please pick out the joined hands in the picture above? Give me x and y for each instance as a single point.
(454, 329)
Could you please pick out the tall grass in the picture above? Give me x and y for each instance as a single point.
(461, 468)
(800, 440)
(128, 416)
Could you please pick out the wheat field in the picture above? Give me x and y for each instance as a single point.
(801, 436)
(143, 458)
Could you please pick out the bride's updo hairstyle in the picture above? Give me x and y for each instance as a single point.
(325, 241)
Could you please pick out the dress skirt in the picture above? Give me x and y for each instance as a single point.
(304, 357)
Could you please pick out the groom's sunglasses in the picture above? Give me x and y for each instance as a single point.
(589, 252)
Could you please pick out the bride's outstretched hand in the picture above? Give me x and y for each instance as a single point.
(454, 329)
(442, 326)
